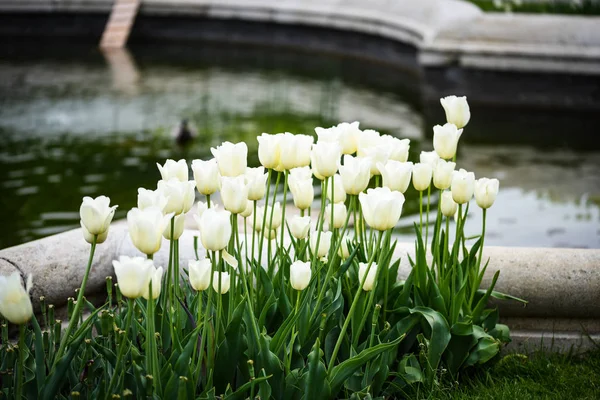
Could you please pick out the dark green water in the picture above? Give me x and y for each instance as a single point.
(74, 123)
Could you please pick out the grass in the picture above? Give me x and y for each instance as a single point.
(578, 7)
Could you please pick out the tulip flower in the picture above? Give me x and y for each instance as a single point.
(339, 194)
(146, 228)
(269, 150)
(381, 207)
(339, 215)
(377, 154)
(256, 180)
(368, 138)
(294, 151)
(445, 140)
(442, 174)
(133, 275)
(276, 223)
(349, 134)
(177, 228)
(344, 251)
(457, 110)
(174, 170)
(200, 273)
(421, 175)
(15, 304)
(248, 210)
(370, 280)
(396, 175)
(148, 198)
(206, 175)
(215, 228)
(355, 174)
(398, 147)
(101, 238)
(224, 284)
(325, 158)
(300, 274)
(156, 275)
(200, 208)
(463, 185)
(447, 204)
(300, 183)
(232, 159)
(324, 243)
(180, 195)
(486, 191)
(96, 214)
(269, 234)
(429, 157)
(299, 226)
(234, 194)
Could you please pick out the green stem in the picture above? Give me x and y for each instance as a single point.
(476, 281)
(427, 216)
(421, 212)
(284, 206)
(20, 365)
(271, 265)
(264, 221)
(122, 347)
(296, 311)
(208, 311)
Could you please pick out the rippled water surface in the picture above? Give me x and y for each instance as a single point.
(76, 123)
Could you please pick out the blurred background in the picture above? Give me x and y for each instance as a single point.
(76, 121)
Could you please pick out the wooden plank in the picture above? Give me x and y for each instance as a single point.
(119, 24)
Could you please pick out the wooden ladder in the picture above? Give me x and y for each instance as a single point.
(119, 23)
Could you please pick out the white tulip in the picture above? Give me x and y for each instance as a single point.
(270, 234)
(300, 274)
(156, 275)
(442, 174)
(260, 212)
(15, 304)
(325, 158)
(177, 228)
(224, 283)
(344, 251)
(232, 159)
(398, 147)
(200, 272)
(370, 279)
(339, 215)
(96, 214)
(101, 238)
(206, 176)
(368, 138)
(215, 228)
(457, 110)
(249, 209)
(294, 151)
(133, 275)
(174, 170)
(344, 133)
(180, 195)
(234, 194)
(256, 180)
(299, 226)
(421, 176)
(486, 191)
(429, 157)
(148, 198)
(377, 154)
(396, 175)
(445, 140)
(339, 194)
(324, 243)
(381, 207)
(355, 173)
(146, 228)
(300, 183)
(447, 204)
(200, 208)
(269, 150)
(463, 185)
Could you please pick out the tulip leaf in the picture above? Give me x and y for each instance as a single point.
(440, 334)
(316, 385)
(229, 350)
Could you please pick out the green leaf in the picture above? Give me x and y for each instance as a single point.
(230, 350)
(316, 384)
(410, 370)
(241, 392)
(503, 296)
(40, 364)
(440, 334)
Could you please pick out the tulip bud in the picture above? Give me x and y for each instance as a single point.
(429, 157)
(421, 176)
(370, 280)
(234, 194)
(295, 151)
(200, 273)
(15, 304)
(339, 215)
(396, 175)
(269, 234)
(377, 154)
(300, 183)
(349, 134)
(256, 180)
(447, 204)
(96, 214)
(174, 170)
(299, 226)
(344, 251)
(90, 238)
(457, 110)
(368, 138)
(355, 174)
(445, 140)
(381, 207)
(155, 276)
(223, 284)
(215, 228)
(146, 228)
(325, 158)
(269, 150)
(324, 243)
(249, 209)
(177, 229)
(232, 159)
(462, 187)
(133, 274)
(148, 198)
(442, 174)
(398, 147)
(276, 223)
(300, 275)
(180, 195)
(486, 191)
(206, 176)
(339, 194)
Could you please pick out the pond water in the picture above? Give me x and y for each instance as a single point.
(75, 122)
